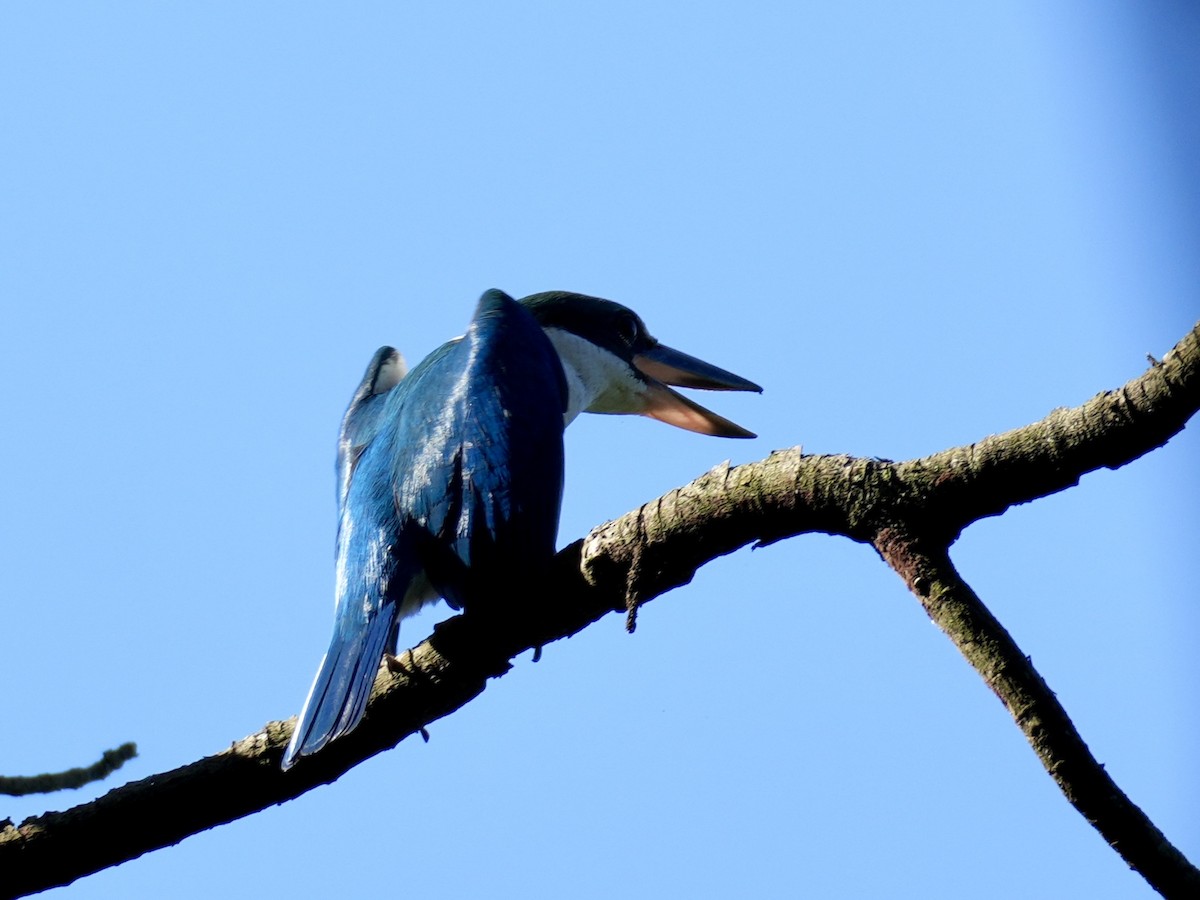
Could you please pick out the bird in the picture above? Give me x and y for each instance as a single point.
(450, 476)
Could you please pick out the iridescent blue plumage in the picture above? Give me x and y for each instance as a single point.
(450, 477)
(450, 481)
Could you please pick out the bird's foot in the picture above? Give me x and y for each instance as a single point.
(396, 664)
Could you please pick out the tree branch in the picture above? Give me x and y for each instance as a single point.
(109, 762)
(910, 511)
(988, 647)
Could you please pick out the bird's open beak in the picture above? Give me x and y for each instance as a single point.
(664, 366)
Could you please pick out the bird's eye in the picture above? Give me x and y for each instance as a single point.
(629, 329)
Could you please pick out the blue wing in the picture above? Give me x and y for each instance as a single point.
(361, 421)
(451, 477)
(482, 472)
(339, 693)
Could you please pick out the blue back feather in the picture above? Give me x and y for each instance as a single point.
(450, 477)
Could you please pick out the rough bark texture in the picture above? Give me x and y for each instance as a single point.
(909, 511)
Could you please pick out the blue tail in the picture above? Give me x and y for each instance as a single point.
(339, 694)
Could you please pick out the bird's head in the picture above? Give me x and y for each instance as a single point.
(613, 365)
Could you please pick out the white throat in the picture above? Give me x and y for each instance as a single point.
(597, 381)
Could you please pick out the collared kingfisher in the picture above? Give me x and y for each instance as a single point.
(449, 477)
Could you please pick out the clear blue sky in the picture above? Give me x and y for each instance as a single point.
(913, 226)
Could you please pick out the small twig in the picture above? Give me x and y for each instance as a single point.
(109, 762)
